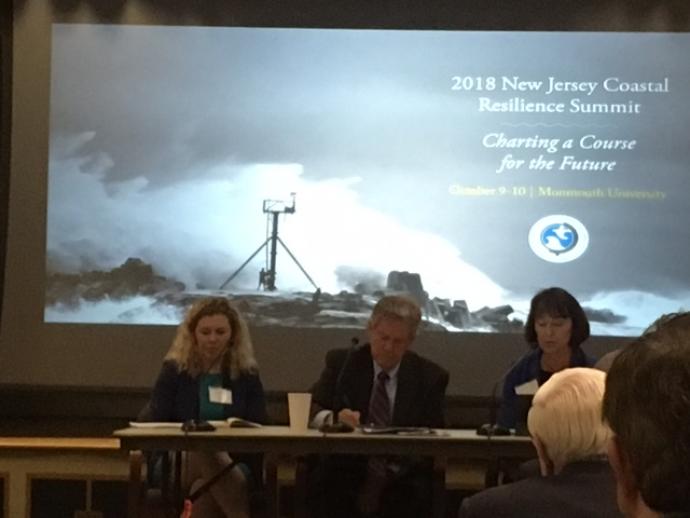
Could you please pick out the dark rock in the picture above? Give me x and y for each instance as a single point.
(605, 316)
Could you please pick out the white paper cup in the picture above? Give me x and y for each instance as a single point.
(299, 404)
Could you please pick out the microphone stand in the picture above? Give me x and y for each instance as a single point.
(491, 428)
(340, 399)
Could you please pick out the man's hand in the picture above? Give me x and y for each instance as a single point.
(348, 416)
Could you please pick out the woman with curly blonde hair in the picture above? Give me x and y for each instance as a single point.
(210, 373)
(187, 354)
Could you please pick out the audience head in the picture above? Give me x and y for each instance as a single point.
(604, 363)
(565, 419)
(213, 333)
(647, 405)
(556, 319)
(392, 328)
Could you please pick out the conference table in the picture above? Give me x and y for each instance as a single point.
(277, 442)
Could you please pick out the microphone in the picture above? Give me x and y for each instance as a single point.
(491, 428)
(340, 399)
(338, 389)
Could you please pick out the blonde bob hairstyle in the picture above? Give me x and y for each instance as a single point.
(566, 416)
(239, 355)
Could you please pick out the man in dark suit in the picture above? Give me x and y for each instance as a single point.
(571, 439)
(380, 383)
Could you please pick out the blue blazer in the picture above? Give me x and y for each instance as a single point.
(176, 396)
(528, 368)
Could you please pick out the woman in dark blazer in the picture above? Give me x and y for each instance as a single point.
(555, 329)
(210, 373)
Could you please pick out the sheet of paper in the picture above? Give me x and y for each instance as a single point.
(156, 424)
(399, 430)
(236, 422)
(527, 389)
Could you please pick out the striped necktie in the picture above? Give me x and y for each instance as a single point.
(379, 404)
(376, 478)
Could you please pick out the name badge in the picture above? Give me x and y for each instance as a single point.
(220, 395)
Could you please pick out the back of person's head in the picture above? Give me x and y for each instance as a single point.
(566, 416)
(604, 363)
(647, 405)
(557, 303)
(397, 307)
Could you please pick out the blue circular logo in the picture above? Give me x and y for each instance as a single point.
(558, 238)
